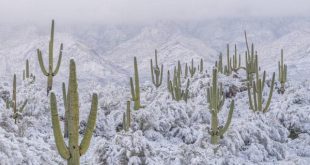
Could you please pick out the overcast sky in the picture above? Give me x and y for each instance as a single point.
(127, 11)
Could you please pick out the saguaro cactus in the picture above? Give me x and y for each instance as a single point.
(51, 71)
(157, 80)
(228, 67)
(26, 73)
(135, 89)
(127, 118)
(73, 151)
(282, 73)
(251, 62)
(236, 62)
(16, 110)
(258, 88)
(192, 69)
(216, 100)
(175, 86)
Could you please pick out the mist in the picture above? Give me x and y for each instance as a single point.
(137, 11)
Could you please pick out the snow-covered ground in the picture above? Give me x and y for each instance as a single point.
(165, 131)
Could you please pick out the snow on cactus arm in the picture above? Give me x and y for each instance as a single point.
(90, 125)
(59, 140)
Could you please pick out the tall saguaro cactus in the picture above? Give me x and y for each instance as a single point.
(282, 73)
(51, 72)
(73, 151)
(175, 86)
(258, 89)
(135, 88)
(16, 110)
(157, 72)
(216, 101)
(228, 67)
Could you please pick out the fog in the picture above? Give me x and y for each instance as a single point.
(131, 11)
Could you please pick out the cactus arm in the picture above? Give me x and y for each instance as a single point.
(128, 119)
(41, 63)
(27, 69)
(279, 71)
(208, 96)
(285, 73)
(246, 42)
(152, 71)
(254, 96)
(60, 143)
(172, 89)
(263, 82)
(132, 89)
(250, 97)
(59, 60)
(259, 95)
(161, 74)
(23, 106)
(224, 129)
(64, 95)
(270, 94)
(90, 125)
(137, 84)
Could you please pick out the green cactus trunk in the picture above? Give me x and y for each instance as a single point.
(135, 89)
(214, 126)
(51, 72)
(73, 152)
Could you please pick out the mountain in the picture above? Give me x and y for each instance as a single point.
(164, 131)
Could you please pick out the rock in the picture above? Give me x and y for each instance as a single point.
(233, 90)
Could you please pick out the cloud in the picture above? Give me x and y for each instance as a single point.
(127, 11)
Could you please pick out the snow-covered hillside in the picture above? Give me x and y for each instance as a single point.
(165, 131)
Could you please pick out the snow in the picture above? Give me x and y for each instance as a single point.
(165, 131)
